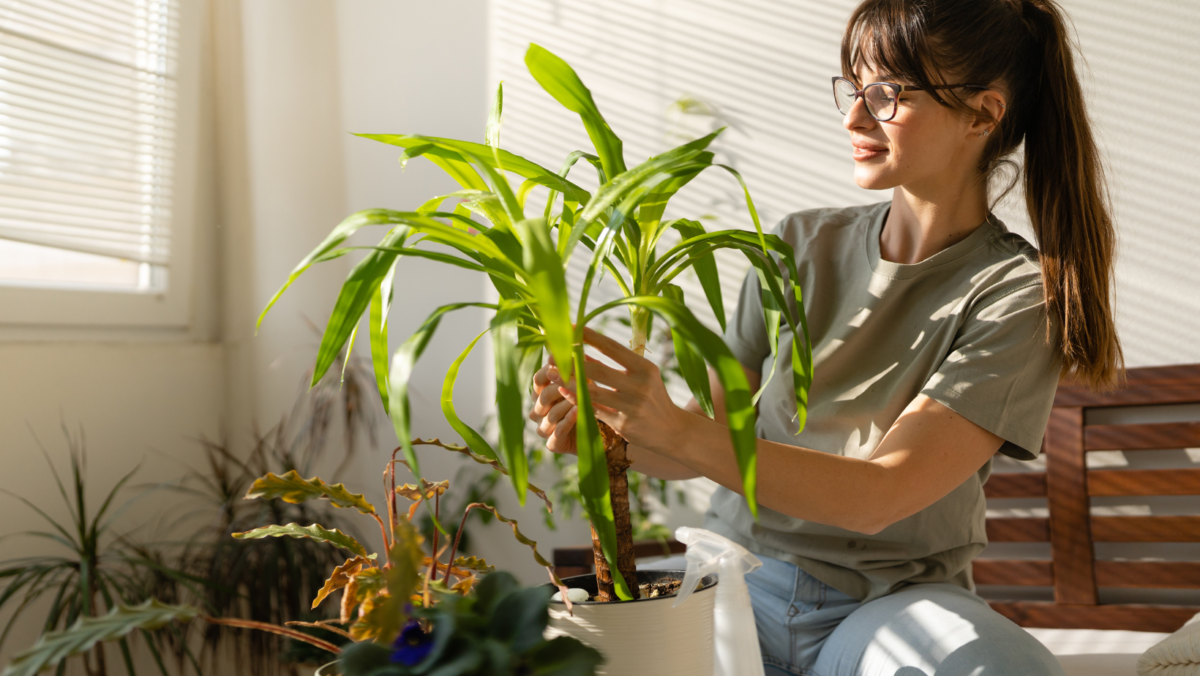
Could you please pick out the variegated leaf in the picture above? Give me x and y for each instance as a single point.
(292, 488)
(316, 532)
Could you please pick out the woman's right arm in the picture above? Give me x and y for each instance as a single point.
(556, 416)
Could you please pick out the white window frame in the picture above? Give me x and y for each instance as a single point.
(22, 306)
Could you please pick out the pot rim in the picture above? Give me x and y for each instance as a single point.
(706, 583)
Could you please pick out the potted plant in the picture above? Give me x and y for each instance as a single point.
(623, 226)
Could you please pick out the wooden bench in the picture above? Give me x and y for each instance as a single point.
(1068, 486)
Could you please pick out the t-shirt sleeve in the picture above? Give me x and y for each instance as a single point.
(746, 331)
(1002, 372)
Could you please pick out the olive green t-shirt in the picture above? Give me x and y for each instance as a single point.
(967, 327)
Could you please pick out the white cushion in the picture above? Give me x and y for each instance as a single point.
(1176, 655)
(1092, 652)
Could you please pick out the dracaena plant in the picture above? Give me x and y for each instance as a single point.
(525, 256)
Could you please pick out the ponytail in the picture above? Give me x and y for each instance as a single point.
(1023, 48)
(1068, 207)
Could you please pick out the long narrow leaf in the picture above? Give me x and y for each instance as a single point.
(315, 532)
(695, 373)
(381, 302)
(54, 647)
(560, 81)
(473, 439)
(706, 270)
(547, 281)
(508, 399)
(445, 148)
(291, 487)
(402, 366)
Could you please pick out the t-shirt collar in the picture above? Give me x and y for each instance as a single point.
(978, 237)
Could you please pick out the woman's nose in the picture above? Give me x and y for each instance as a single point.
(858, 117)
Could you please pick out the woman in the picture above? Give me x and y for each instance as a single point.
(938, 340)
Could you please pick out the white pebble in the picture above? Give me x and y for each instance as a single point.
(576, 596)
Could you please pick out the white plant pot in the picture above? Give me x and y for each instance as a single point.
(646, 636)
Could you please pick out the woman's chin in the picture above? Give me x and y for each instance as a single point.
(868, 178)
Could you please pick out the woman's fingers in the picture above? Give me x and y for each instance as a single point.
(599, 372)
(612, 349)
(600, 397)
(546, 400)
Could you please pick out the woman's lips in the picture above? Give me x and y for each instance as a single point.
(865, 152)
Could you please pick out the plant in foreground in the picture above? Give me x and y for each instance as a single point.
(384, 600)
(525, 257)
(98, 571)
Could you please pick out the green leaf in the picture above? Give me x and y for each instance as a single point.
(353, 300)
(509, 399)
(691, 364)
(739, 409)
(545, 277)
(473, 439)
(492, 134)
(292, 488)
(564, 656)
(593, 478)
(705, 266)
(316, 532)
(560, 81)
(402, 367)
(54, 647)
(443, 149)
(328, 249)
(381, 302)
(520, 618)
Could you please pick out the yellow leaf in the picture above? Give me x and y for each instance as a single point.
(341, 577)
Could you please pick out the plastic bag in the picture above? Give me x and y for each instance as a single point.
(735, 645)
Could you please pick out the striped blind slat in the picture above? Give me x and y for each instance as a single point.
(87, 125)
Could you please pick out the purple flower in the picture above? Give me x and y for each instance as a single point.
(412, 646)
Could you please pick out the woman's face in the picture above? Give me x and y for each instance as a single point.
(926, 143)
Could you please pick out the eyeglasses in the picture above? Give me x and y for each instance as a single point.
(882, 98)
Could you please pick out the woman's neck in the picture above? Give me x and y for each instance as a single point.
(920, 224)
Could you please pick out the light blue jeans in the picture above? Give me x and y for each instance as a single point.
(807, 628)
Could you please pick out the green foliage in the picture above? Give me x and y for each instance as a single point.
(494, 631)
(291, 488)
(526, 259)
(317, 532)
(86, 632)
(95, 570)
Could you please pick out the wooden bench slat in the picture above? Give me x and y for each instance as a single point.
(1019, 572)
(1016, 485)
(1018, 529)
(1148, 574)
(1070, 510)
(1126, 617)
(1177, 384)
(1127, 482)
(1146, 528)
(1141, 437)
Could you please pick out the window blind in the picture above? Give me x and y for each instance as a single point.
(87, 125)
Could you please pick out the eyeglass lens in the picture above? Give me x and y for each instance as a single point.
(880, 99)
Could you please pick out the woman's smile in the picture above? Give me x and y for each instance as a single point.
(867, 151)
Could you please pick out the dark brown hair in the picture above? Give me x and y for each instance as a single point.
(1021, 48)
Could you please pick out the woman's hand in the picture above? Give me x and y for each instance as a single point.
(632, 400)
(553, 413)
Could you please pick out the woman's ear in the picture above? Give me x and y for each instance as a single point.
(990, 108)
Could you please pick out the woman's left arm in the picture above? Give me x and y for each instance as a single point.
(929, 451)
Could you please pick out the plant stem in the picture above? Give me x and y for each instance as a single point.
(618, 486)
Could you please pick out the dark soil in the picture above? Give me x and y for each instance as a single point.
(654, 590)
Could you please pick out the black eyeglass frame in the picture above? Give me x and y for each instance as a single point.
(898, 88)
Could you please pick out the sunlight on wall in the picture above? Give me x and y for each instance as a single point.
(763, 67)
